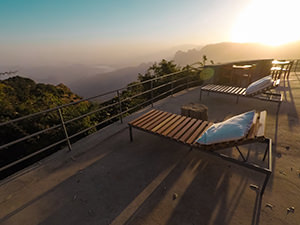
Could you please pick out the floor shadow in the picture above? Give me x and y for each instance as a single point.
(297, 75)
(97, 194)
(257, 209)
(208, 191)
(220, 197)
(289, 103)
(292, 113)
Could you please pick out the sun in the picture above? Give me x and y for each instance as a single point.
(270, 22)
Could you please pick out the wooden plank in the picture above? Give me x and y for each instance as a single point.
(221, 88)
(234, 90)
(214, 88)
(167, 125)
(210, 86)
(147, 118)
(174, 125)
(224, 88)
(206, 87)
(262, 124)
(150, 119)
(218, 88)
(142, 116)
(162, 124)
(190, 131)
(242, 91)
(154, 121)
(202, 132)
(228, 87)
(161, 120)
(196, 133)
(184, 129)
(178, 128)
(237, 91)
(230, 90)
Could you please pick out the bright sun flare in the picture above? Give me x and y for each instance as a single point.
(271, 22)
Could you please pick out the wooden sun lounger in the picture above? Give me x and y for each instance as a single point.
(263, 94)
(186, 130)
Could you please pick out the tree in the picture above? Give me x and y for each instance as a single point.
(204, 59)
(156, 70)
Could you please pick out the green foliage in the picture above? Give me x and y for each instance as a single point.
(156, 70)
(204, 59)
(22, 96)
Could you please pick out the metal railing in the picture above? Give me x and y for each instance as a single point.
(158, 88)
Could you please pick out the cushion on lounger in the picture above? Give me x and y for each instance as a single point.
(259, 85)
(232, 129)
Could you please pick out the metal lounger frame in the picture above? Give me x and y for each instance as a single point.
(186, 130)
(264, 94)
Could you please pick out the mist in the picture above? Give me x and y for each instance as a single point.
(66, 54)
(74, 63)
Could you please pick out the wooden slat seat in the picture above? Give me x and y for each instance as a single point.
(263, 94)
(187, 130)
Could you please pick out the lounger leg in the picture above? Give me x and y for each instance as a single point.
(130, 133)
(265, 184)
(278, 108)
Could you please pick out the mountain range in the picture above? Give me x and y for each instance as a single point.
(90, 80)
(229, 52)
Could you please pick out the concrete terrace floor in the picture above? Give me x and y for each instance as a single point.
(106, 179)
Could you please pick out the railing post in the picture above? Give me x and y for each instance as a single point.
(172, 85)
(120, 106)
(151, 87)
(65, 129)
(187, 78)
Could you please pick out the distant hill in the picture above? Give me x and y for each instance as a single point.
(88, 80)
(227, 52)
(100, 83)
(59, 73)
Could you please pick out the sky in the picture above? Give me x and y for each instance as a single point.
(112, 32)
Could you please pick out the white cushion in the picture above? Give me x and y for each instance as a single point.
(235, 128)
(259, 85)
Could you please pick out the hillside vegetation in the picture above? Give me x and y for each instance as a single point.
(21, 96)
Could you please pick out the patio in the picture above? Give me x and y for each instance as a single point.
(106, 179)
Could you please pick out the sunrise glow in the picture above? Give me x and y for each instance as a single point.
(270, 22)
